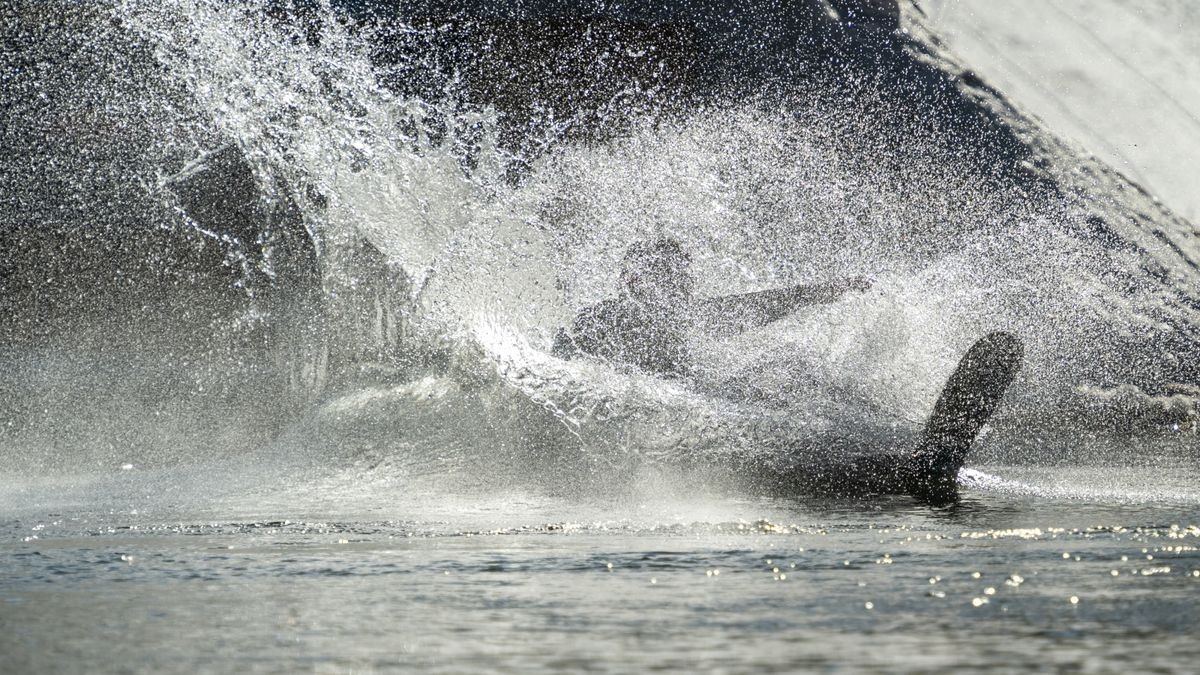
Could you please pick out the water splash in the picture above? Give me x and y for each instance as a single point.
(424, 245)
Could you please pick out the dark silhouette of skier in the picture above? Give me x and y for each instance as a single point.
(646, 324)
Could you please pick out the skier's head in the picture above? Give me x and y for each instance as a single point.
(658, 272)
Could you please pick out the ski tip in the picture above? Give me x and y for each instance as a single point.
(967, 401)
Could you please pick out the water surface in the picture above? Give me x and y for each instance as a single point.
(282, 579)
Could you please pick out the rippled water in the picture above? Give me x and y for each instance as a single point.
(342, 573)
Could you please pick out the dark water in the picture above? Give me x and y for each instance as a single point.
(354, 573)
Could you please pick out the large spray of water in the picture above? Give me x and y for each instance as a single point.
(371, 257)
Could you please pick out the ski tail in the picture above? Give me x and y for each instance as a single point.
(968, 400)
